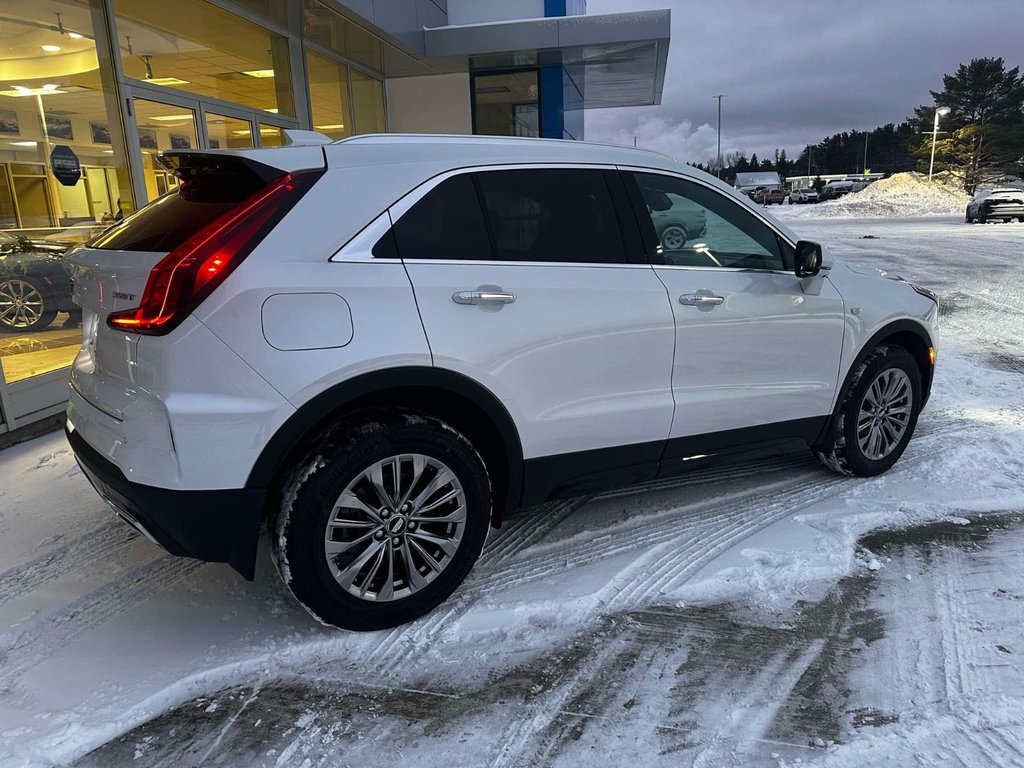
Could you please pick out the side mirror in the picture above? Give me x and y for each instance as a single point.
(808, 258)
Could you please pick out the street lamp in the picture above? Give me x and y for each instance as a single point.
(940, 112)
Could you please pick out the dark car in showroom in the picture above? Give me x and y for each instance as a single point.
(35, 283)
(1004, 204)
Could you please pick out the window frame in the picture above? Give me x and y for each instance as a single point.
(632, 244)
(787, 247)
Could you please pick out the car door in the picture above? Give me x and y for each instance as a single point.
(757, 348)
(525, 283)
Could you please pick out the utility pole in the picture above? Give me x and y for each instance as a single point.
(865, 152)
(808, 161)
(719, 96)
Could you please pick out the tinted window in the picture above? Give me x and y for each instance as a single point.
(445, 224)
(551, 215)
(168, 221)
(695, 226)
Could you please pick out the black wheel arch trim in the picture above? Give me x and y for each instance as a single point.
(312, 415)
(885, 332)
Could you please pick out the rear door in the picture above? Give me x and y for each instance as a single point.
(531, 281)
(757, 348)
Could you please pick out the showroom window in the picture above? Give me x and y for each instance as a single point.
(506, 104)
(196, 47)
(53, 104)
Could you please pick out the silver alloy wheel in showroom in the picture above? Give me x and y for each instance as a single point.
(21, 304)
(884, 413)
(673, 238)
(395, 527)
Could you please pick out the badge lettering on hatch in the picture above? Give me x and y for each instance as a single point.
(127, 296)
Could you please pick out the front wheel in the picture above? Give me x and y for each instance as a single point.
(877, 416)
(383, 521)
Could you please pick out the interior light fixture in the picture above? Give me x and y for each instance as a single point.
(167, 81)
(50, 86)
(21, 90)
(258, 72)
(331, 127)
(75, 35)
(272, 109)
(50, 48)
(23, 143)
(171, 118)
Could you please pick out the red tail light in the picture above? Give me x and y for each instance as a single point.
(184, 277)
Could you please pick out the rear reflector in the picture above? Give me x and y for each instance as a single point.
(187, 275)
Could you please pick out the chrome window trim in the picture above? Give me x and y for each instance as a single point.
(360, 247)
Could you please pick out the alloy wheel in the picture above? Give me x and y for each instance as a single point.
(884, 413)
(395, 527)
(21, 304)
(673, 238)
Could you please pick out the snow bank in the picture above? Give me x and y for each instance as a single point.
(903, 194)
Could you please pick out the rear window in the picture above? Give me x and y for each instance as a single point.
(210, 190)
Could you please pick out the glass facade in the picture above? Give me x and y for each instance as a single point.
(507, 103)
(111, 83)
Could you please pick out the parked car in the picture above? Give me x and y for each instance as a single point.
(378, 347)
(676, 219)
(803, 195)
(836, 189)
(1004, 204)
(35, 283)
(768, 195)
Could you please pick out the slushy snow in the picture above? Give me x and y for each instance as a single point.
(902, 194)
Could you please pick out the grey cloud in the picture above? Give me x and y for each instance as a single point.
(795, 71)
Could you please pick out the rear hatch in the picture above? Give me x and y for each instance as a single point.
(227, 202)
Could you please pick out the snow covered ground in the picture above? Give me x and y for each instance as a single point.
(737, 616)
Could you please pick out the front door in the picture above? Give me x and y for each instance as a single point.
(757, 348)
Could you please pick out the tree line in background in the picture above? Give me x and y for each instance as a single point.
(980, 141)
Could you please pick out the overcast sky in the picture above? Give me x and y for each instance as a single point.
(795, 71)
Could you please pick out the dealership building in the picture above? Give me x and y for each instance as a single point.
(92, 90)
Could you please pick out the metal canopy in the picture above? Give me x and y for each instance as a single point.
(616, 60)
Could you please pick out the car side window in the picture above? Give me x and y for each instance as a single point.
(447, 223)
(693, 226)
(551, 215)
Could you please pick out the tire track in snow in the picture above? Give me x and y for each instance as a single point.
(98, 544)
(37, 639)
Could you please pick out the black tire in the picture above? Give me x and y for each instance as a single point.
(12, 319)
(841, 451)
(339, 458)
(680, 232)
(982, 216)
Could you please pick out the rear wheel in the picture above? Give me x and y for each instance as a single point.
(877, 416)
(24, 305)
(383, 521)
(673, 237)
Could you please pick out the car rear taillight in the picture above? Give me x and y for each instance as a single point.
(187, 275)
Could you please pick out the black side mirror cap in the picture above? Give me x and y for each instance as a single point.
(808, 258)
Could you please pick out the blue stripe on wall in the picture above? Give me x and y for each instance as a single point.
(554, 8)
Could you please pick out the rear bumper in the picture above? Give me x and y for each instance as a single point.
(220, 526)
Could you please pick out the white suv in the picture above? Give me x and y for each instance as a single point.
(380, 345)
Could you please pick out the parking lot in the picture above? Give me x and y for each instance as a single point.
(761, 613)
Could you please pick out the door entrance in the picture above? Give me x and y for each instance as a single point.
(164, 119)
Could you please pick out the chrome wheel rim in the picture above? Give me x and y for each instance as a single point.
(673, 238)
(884, 414)
(395, 528)
(21, 305)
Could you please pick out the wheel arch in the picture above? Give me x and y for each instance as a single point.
(909, 334)
(452, 397)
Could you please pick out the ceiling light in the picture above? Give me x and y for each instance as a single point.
(167, 81)
(22, 143)
(258, 72)
(50, 48)
(75, 35)
(20, 90)
(272, 109)
(332, 127)
(50, 86)
(171, 118)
